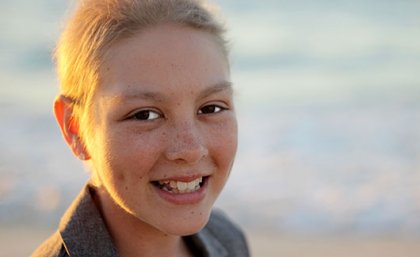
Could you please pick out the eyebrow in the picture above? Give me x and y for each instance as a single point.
(136, 94)
(159, 97)
(216, 88)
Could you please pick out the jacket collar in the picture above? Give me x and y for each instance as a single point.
(211, 245)
(83, 230)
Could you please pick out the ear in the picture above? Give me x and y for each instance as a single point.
(63, 111)
(69, 126)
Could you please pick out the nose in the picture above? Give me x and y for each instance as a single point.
(187, 144)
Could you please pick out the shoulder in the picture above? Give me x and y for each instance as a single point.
(52, 247)
(228, 234)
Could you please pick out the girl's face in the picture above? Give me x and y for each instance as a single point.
(165, 132)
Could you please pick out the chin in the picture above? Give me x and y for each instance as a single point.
(188, 225)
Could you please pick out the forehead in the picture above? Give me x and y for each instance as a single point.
(164, 55)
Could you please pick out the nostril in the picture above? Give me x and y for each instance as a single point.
(189, 155)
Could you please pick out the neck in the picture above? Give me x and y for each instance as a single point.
(133, 237)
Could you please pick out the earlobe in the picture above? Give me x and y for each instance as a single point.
(78, 148)
(63, 111)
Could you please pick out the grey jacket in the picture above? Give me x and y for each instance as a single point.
(82, 232)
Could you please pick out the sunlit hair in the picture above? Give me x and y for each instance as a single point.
(97, 24)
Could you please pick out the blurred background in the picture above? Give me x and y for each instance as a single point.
(328, 99)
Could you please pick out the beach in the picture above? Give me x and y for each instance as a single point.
(20, 241)
(328, 103)
(275, 245)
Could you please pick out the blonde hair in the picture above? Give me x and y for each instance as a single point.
(97, 24)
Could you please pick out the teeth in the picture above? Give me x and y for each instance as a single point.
(180, 187)
(191, 185)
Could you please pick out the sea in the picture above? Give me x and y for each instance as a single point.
(328, 104)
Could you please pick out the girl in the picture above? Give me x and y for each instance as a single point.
(146, 102)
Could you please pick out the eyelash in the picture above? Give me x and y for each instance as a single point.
(214, 107)
(145, 114)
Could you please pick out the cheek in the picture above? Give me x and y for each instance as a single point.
(127, 157)
(224, 142)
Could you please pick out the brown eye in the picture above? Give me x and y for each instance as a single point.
(146, 115)
(212, 108)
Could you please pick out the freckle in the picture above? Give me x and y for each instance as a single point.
(165, 176)
(192, 212)
(141, 177)
(126, 188)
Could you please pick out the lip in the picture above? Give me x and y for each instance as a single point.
(186, 198)
(183, 178)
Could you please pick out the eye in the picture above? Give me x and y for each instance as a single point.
(211, 108)
(146, 115)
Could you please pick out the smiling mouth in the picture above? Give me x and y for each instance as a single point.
(180, 187)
